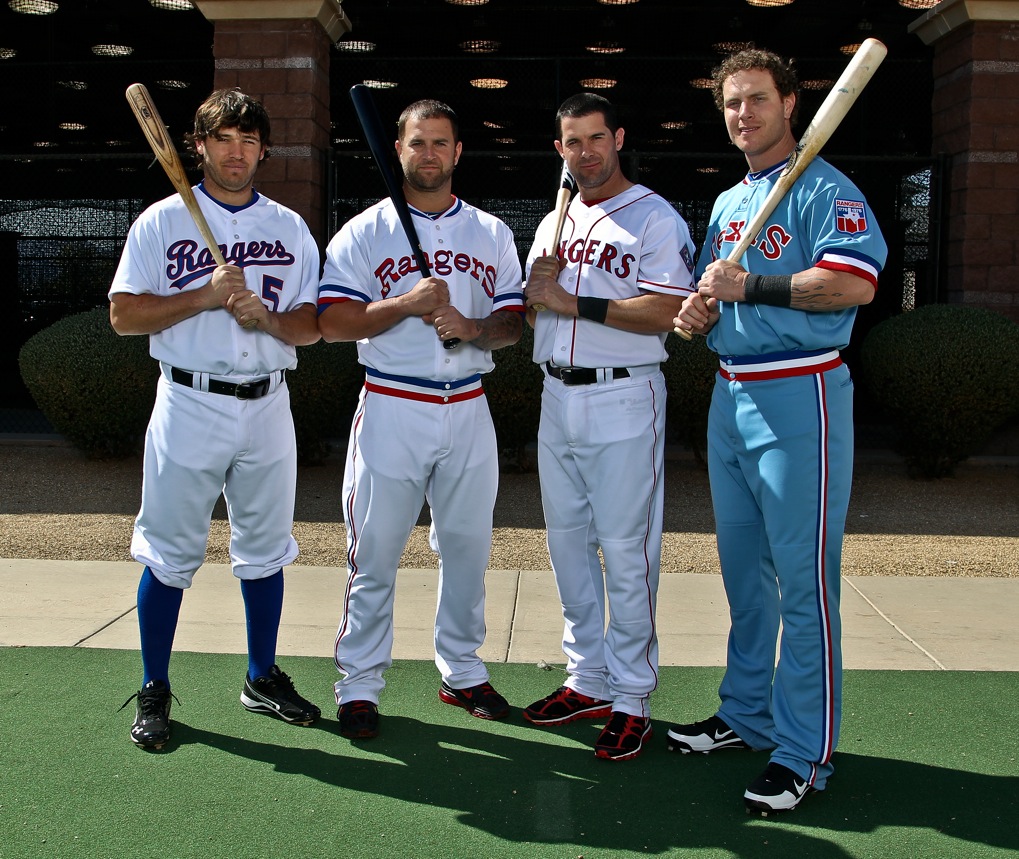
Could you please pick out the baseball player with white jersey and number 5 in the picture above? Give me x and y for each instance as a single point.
(224, 336)
(780, 434)
(422, 431)
(608, 295)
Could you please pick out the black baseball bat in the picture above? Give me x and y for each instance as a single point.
(381, 146)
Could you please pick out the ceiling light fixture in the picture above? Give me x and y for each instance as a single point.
(817, 84)
(606, 48)
(675, 125)
(355, 46)
(112, 50)
(72, 126)
(489, 83)
(79, 86)
(8, 53)
(769, 2)
(918, 4)
(849, 50)
(467, 2)
(731, 47)
(702, 83)
(373, 84)
(480, 46)
(34, 7)
(618, 2)
(707, 169)
(491, 123)
(171, 84)
(173, 5)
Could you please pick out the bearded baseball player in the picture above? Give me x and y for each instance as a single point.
(224, 337)
(610, 291)
(422, 431)
(780, 434)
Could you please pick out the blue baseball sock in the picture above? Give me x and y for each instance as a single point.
(158, 610)
(263, 606)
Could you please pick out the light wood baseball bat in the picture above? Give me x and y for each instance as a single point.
(145, 112)
(567, 185)
(828, 117)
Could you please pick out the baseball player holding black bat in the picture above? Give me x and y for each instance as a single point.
(609, 291)
(422, 430)
(224, 336)
(780, 434)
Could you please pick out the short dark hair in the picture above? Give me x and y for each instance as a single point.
(229, 108)
(428, 108)
(584, 104)
(782, 72)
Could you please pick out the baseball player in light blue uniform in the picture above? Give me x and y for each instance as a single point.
(780, 434)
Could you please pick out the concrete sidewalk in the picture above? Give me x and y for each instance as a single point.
(888, 623)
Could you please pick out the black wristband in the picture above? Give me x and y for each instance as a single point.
(595, 309)
(773, 289)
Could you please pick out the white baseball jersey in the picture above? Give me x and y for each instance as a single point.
(165, 254)
(200, 444)
(370, 259)
(617, 248)
(422, 432)
(601, 445)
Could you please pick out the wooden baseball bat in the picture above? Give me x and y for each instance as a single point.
(144, 109)
(828, 117)
(381, 146)
(567, 185)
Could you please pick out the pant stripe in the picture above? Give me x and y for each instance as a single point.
(820, 566)
(352, 535)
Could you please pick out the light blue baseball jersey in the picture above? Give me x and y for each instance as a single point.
(823, 221)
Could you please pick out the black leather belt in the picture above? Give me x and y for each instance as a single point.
(242, 390)
(584, 375)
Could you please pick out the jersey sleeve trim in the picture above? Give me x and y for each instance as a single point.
(853, 263)
(330, 293)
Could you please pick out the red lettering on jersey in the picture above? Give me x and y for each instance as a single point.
(625, 266)
(574, 252)
(608, 253)
(734, 232)
(387, 275)
(590, 250)
(772, 240)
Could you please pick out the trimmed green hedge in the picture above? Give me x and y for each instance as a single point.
(948, 377)
(95, 387)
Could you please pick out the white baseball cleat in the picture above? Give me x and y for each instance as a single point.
(710, 735)
(777, 789)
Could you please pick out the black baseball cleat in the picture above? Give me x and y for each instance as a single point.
(481, 700)
(359, 720)
(275, 694)
(709, 735)
(777, 789)
(151, 727)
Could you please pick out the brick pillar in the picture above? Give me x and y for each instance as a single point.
(279, 53)
(975, 122)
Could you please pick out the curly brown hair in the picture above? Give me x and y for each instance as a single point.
(782, 72)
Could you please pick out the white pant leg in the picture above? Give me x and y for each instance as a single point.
(461, 494)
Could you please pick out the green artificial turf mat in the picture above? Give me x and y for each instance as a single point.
(926, 767)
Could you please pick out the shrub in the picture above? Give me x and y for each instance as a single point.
(513, 390)
(323, 395)
(95, 387)
(948, 377)
(690, 377)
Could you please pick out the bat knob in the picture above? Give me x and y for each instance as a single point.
(682, 332)
(452, 343)
(251, 324)
(539, 307)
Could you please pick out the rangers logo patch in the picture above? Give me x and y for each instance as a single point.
(850, 216)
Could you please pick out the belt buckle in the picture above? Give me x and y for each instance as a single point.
(252, 390)
(566, 376)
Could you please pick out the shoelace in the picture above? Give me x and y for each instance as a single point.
(150, 701)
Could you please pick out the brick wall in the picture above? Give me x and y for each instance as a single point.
(285, 65)
(976, 121)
